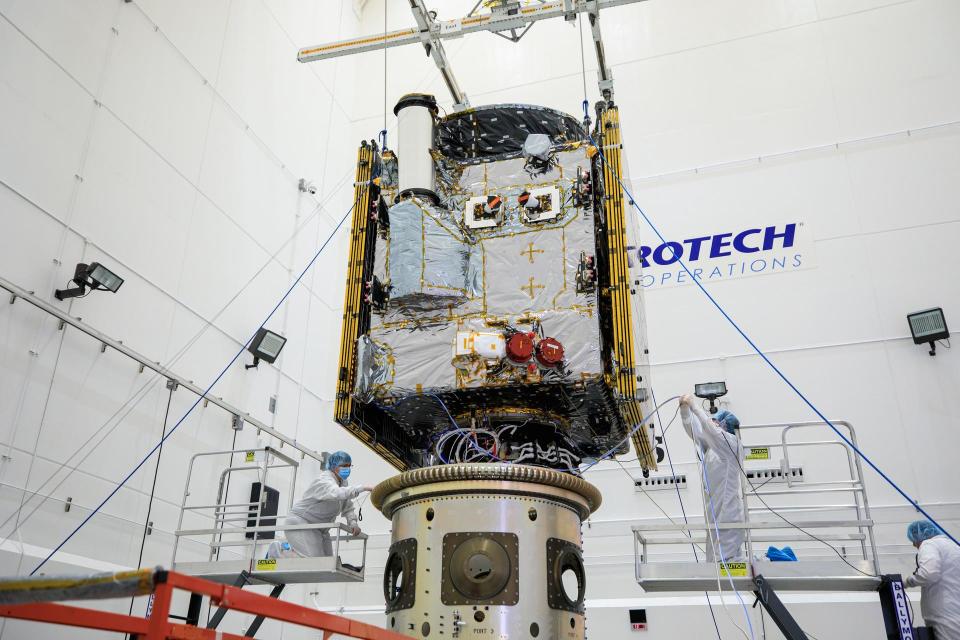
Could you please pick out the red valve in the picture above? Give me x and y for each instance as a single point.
(520, 347)
(549, 352)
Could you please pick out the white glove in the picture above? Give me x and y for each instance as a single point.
(910, 581)
(355, 531)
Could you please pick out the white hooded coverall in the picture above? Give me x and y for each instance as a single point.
(938, 576)
(325, 499)
(722, 455)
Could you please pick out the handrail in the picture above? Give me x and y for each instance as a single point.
(843, 475)
(157, 625)
(225, 534)
(274, 528)
(43, 305)
(682, 526)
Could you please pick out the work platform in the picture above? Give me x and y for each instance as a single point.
(809, 469)
(234, 535)
(279, 571)
(816, 575)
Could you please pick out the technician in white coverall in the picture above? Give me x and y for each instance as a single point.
(938, 576)
(722, 454)
(327, 498)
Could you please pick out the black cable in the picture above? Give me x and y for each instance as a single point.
(792, 524)
(153, 488)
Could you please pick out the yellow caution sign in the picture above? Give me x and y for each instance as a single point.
(733, 570)
(251, 456)
(758, 453)
(269, 564)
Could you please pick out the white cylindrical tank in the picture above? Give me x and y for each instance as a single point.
(415, 113)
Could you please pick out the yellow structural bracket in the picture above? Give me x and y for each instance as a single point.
(624, 374)
(352, 308)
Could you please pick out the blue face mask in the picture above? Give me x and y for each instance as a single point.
(344, 472)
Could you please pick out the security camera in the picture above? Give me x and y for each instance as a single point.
(307, 187)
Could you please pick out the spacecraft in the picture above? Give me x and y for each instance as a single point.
(493, 341)
(488, 293)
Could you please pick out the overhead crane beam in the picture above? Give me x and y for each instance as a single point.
(434, 49)
(506, 15)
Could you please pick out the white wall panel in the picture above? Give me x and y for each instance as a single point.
(299, 18)
(259, 80)
(32, 241)
(894, 69)
(655, 29)
(156, 92)
(134, 203)
(86, 393)
(736, 100)
(918, 276)
(907, 182)
(247, 184)
(138, 315)
(259, 300)
(195, 29)
(32, 343)
(812, 189)
(299, 331)
(219, 259)
(77, 35)
(46, 118)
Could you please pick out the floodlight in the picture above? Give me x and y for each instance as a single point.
(710, 391)
(266, 345)
(93, 275)
(928, 326)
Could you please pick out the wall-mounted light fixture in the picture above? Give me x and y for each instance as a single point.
(93, 275)
(928, 326)
(266, 346)
(710, 391)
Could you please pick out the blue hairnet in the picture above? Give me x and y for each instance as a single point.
(921, 530)
(338, 458)
(727, 420)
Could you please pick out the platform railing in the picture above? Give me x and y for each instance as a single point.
(792, 522)
(238, 526)
(223, 513)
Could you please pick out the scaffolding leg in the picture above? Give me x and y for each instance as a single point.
(767, 597)
(222, 611)
(193, 610)
(896, 611)
(252, 630)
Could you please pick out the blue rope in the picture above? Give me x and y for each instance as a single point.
(199, 398)
(774, 367)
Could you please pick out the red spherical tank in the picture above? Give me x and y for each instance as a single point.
(549, 352)
(520, 347)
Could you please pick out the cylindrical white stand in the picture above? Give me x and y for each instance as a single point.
(485, 550)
